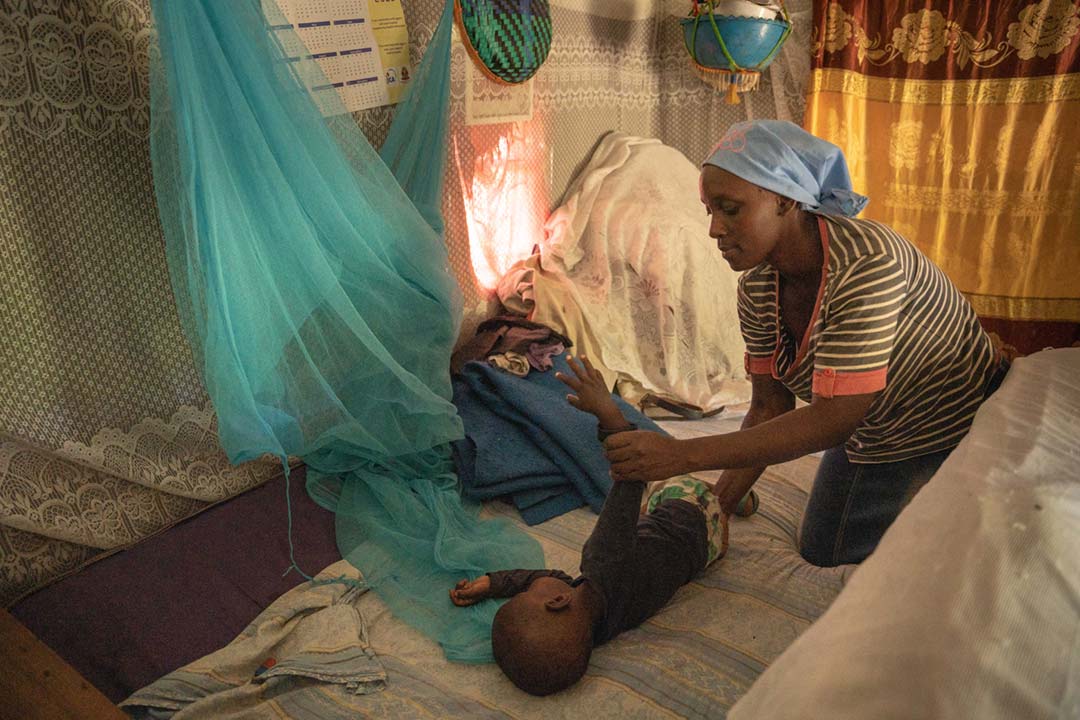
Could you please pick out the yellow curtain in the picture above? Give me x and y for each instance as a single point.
(961, 121)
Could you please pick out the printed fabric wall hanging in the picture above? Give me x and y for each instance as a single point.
(732, 41)
(508, 39)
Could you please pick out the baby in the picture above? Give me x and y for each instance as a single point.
(633, 562)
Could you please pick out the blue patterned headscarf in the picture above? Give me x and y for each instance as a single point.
(780, 156)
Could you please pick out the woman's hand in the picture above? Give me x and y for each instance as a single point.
(592, 394)
(644, 456)
(733, 485)
(470, 592)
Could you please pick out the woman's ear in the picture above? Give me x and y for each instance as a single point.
(784, 205)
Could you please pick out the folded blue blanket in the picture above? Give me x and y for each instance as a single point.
(525, 441)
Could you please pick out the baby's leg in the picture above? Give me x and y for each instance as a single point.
(698, 492)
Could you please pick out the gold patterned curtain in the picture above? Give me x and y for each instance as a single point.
(961, 121)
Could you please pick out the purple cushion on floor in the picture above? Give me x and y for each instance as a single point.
(130, 618)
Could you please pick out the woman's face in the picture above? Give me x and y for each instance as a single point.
(744, 219)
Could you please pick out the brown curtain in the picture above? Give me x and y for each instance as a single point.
(960, 121)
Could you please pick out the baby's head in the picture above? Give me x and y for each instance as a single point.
(543, 637)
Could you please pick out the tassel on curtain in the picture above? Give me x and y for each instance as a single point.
(317, 299)
(958, 119)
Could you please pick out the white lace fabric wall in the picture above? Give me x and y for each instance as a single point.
(106, 432)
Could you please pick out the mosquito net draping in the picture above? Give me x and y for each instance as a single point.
(315, 292)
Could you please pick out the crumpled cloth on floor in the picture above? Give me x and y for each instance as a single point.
(310, 641)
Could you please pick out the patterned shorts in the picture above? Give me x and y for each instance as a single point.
(692, 490)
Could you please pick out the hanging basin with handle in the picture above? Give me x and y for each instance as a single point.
(750, 41)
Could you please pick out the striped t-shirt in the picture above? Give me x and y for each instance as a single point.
(886, 319)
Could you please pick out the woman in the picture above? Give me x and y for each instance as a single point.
(843, 314)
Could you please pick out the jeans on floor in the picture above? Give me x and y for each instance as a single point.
(852, 505)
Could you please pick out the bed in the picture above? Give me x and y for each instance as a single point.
(969, 608)
(137, 615)
(132, 618)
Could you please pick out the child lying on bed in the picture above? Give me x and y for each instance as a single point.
(633, 562)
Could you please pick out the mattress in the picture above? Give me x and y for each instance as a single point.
(693, 659)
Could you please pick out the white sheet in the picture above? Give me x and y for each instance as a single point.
(970, 607)
(307, 649)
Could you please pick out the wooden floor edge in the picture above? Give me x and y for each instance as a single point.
(37, 683)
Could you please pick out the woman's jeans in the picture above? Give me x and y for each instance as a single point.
(852, 505)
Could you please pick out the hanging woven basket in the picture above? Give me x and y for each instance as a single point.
(508, 39)
(729, 51)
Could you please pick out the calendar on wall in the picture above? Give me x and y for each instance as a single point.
(362, 46)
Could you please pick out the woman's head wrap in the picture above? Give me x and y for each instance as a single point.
(780, 156)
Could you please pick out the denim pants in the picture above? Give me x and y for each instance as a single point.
(852, 505)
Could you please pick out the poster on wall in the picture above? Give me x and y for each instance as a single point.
(362, 46)
(488, 102)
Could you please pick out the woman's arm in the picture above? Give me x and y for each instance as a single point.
(769, 399)
(825, 423)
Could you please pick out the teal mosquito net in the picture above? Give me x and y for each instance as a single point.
(314, 287)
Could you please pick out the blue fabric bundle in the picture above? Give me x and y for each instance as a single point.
(524, 440)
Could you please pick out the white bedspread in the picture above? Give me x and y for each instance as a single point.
(629, 273)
